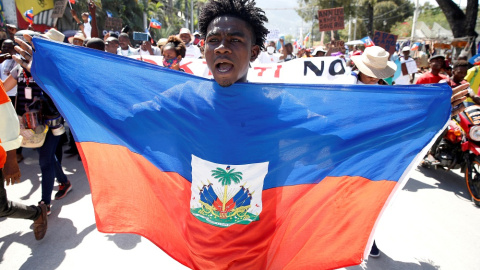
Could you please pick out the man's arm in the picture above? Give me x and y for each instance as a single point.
(79, 23)
(284, 51)
(92, 8)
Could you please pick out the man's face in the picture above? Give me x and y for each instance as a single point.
(85, 18)
(289, 48)
(437, 64)
(406, 54)
(7, 47)
(229, 48)
(123, 42)
(367, 79)
(186, 38)
(111, 47)
(459, 74)
(11, 30)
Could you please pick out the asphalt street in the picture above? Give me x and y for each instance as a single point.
(431, 224)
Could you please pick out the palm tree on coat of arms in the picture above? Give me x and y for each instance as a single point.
(225, 177)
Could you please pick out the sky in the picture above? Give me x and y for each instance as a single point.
(281, 15)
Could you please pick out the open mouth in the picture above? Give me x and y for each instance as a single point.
(224, 67)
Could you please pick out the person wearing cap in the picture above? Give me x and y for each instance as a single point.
(187, 38)
(161, 42)
(405, 79)
(436, 64)
(111, 45)
(11, 30)
(77, 39)
(28, 92)
(319, 51)
(197, 38)
(373, 65)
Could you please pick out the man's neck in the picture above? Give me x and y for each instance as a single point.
(435, 72)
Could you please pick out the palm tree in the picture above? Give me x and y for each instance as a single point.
(225, 177)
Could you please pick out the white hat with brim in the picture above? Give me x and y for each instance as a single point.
(78, 35)
(374, 63)
(319, 49)
(186, 31)
(54, 34)
(405, 49)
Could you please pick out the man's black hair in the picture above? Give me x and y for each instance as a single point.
(460, 63)
(241, 9)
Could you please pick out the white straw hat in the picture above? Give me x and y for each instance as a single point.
(374, 63)
(54, 34)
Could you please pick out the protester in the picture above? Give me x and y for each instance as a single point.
(319, 51)
(197, 38)
(31, 96)
(7, 64)
(111, 45)
(287, 51)
(11, 30)
(268, 56)
(459, 73)
(125, 49)
(161, 42)
(436, 63)
(96, 43)
(187, 38)
(10, 172)
(147, 49)
(405, 78)
(173, 52)
(473, 77)
(373, 65)
(77, 39)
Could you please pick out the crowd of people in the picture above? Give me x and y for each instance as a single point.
(42, 127)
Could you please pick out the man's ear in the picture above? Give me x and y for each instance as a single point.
(255, 50)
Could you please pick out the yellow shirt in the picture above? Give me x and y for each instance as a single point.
(473, 77)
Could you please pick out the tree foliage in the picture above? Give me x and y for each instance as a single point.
(370, 15)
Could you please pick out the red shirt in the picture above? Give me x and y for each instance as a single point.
(428, 77)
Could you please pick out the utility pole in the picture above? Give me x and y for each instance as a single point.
(414, 24)
(191, 16)
(349, 28)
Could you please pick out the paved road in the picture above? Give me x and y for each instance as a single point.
(431, 224)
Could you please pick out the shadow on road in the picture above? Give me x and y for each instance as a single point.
(125, 241)
(447, 180)
(385, 262)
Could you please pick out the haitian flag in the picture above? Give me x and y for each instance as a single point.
(29, 16)
(251, 176)
(155, 24)
(415, 46)
(367, 41)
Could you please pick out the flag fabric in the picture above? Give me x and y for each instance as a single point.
(251, 176)
(305, 40)
(155, 24)
(367, 41)
(29, 16)
(415, 46)
(72, 1)
(109, 14)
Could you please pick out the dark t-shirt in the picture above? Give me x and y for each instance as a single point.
(24, 79)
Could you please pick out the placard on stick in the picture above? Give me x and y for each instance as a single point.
(335, 46)
(385, 40)
(331, 19)
(59, 9)
(114, 24)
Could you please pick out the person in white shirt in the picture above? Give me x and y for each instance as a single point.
(407, 78)
(147, 49)
(7, 64)
(269, 56)
(187, 38)
(125, 49)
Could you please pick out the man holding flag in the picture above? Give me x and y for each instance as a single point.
(239, 175)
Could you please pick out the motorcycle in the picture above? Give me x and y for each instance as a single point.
(459, 148)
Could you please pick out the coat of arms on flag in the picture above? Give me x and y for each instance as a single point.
(223, 195)
(155, 24)
(367, 41)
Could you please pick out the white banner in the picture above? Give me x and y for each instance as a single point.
(314, 70)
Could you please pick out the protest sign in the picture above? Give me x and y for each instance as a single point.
(273, 34)
(324, 70)
(385, 40)
(114, 24)
(59, 9)
(335, 46)
(331, 19)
